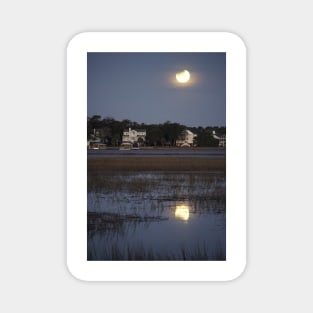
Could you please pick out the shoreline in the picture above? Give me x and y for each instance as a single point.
(163, 148)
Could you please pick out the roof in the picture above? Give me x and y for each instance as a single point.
(189, 132)
(137, 130)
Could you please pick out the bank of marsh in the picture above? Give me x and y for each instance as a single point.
(144, 163)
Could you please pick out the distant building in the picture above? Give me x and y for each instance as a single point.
(95, 144)
(95, 141)
(222, 142)
(134, 137)
(221, 139)
(186, 139)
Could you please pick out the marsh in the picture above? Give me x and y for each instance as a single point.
(156, 209)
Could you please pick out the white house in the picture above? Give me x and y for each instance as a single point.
(187, 139)
(133, 136)
(221, 139)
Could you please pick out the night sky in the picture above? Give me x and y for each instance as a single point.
(142, 87)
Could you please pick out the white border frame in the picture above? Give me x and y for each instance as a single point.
(235, 161)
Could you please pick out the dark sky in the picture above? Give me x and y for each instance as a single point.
(142, 87)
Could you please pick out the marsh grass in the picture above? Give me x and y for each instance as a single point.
(97, 181)
(176, 184)
(135, 164)
(150, 194)
(140, 253)
(112, 221)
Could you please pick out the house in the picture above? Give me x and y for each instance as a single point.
(95, 145)
(186, 139)
(222, 142)
(133, 137)
(95, 141)
(221, 139)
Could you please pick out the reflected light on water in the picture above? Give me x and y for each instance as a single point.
(182, 212)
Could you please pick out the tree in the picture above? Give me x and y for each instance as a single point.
(115, 140)
(205, 139)
(154, 135)
(171, 132)
(93, 123)
(110, 132)
(140, 141)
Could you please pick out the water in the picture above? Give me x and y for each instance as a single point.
(198, 153)
(157, 216)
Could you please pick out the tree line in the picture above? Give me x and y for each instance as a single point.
(110, 132)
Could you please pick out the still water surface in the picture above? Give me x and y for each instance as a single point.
(198, 153)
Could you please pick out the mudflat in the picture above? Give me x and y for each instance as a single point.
(137, 163)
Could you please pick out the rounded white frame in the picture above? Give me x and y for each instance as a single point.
(235, 161)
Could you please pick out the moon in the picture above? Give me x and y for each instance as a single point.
(182, 212)
(183, 77)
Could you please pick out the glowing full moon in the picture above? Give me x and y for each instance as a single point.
(183, 77)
